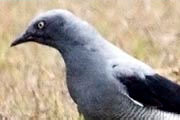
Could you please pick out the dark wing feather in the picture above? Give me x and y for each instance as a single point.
(155, 91)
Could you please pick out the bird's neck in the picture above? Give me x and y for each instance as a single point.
(82, 66)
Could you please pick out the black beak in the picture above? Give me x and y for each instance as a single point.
(22, 39)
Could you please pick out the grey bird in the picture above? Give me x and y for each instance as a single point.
(105, 82)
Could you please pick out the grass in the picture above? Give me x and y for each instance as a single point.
(32, 76)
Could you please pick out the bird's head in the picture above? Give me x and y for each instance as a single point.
(52, 28)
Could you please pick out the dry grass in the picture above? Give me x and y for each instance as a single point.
(32, 82)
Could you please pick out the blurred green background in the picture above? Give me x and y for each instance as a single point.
(32, 76)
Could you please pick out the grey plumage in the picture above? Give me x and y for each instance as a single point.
(105, 82)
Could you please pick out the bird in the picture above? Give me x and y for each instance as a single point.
(104, 81)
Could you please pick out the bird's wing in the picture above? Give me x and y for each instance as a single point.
(151, 90)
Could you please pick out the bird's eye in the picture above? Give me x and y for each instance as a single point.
(41, 25)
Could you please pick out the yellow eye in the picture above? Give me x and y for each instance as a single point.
(41, 25)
